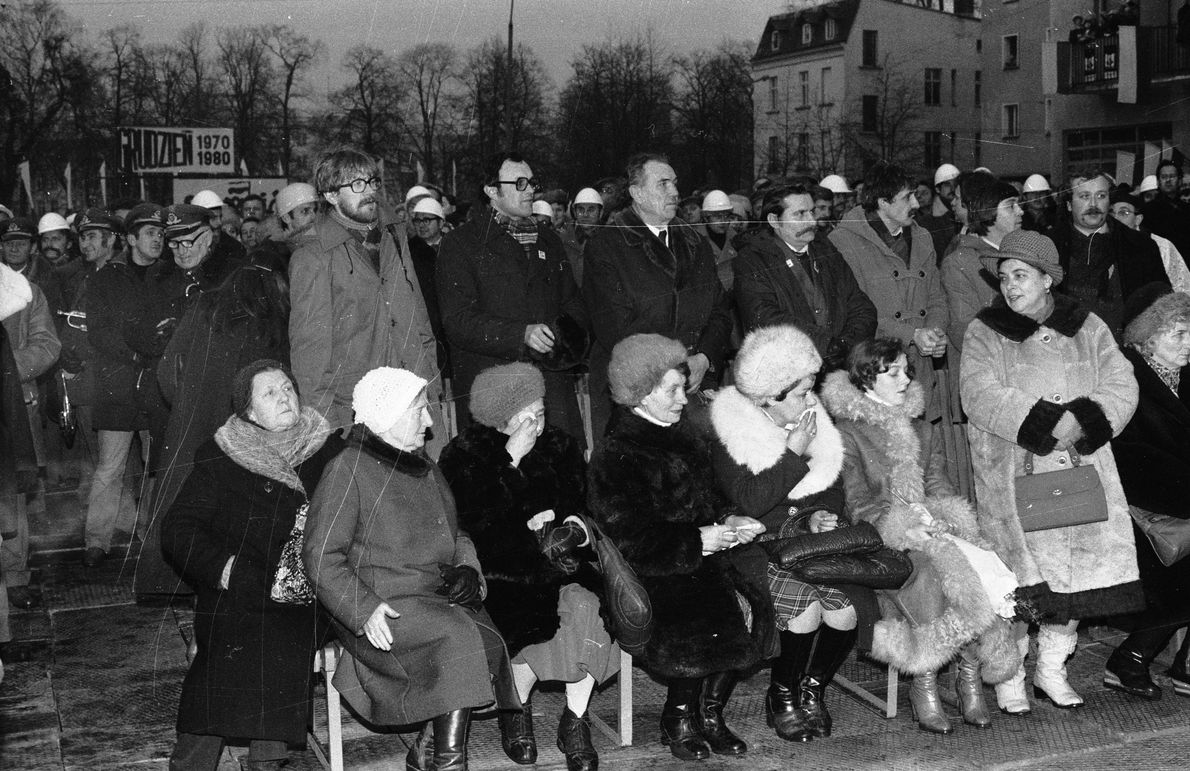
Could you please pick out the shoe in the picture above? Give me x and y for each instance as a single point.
(927, 705)
(516, 735)
(1177, 670)
(574, 741)
(1128, 672)
(782, 704)
(450, 741)
(1054, 646)
(716, 690)
(831, 648)
(969, 689)
(23, 597)
(679, 729)
(93, 557)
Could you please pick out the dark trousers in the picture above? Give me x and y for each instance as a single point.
(200, 752)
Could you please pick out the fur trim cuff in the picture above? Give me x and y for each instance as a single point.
(1036, 433)
(1097, 430)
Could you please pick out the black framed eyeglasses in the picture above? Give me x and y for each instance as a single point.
(522, 183)
(181, 243)
(359, 184)
(424, 220)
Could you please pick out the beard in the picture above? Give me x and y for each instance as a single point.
(354, 212)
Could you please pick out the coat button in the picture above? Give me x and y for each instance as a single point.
(896, 274)
(921, 312)
(1057, 397)
(897, 315)
(1061, 461)
(921, 274)
(1045, 338)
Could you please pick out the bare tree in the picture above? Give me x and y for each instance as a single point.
(888, 131)
(713, 105)
(370, 103)
(120, 48)
(249, 78)
(297, 54)
(430, 70)
(192, 41)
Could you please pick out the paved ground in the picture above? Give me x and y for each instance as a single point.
(97, 678)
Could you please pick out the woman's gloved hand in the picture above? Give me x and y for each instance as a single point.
(561, 543)
(461, 586)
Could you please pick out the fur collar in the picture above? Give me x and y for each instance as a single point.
(624, 425)
(1067, 319)
(754, 441)
(901, 445)
(415, 464)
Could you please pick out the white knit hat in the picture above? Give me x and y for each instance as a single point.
(772, 359)
(382, 395)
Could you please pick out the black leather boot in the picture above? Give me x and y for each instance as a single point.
(516, 735)
(450, 740)
(679, 729)
(1127, 668)
(831, 649)
(782, 704)
(420, 755)
(1177, 670)
(574, 740)
(716, 690)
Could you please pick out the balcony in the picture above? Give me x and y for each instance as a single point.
(1167, 61)
(1135, 58)
(1094, 66)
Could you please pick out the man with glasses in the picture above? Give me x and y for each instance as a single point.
(356, 303)
(1126, 210)
(1166, 215)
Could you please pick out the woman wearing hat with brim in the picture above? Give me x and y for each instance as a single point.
(652, 491)
(1042, 375)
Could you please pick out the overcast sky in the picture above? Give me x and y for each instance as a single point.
(555, 29)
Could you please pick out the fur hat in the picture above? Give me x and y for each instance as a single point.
(772, 359)
(383, 394)
(638, 364)
(499, 393)
(241, 384)
(1148, 308)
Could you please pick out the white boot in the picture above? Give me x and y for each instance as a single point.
(1055, 643)
(1011, 696)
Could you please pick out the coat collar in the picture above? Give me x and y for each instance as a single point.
(1152, 387)
(625, 425)
(414, 464)
(754, 441)
(1067, 319)
(331, 234)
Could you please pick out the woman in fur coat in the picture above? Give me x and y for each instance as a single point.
(778, 457)
(652, 491)
(958, 599)
(1043, 377)
(518, 485)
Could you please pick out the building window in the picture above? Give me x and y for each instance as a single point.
(932, 151)
(773, 94)
(774, 154)
(954, 88)
(1009, 52)
(807, 34)
(933, 86)
(978, 45)
(869, 120)
(831, 28)
(775, 40)
(804, 82)
(824, 77)
(1010, 121)
(803, 150)
(978, 149)
(978, 88)
(870, 50)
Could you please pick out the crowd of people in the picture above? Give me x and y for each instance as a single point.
(406, 427)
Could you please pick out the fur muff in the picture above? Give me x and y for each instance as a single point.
(651, 488)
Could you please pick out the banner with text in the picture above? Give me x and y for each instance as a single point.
(146, 150)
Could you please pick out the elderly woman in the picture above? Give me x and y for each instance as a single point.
(1043, 380)
(246, 491)
(518, 485)
(778, 457)
(653, 492)
(894, 474)
(388, 560)
(1153, 457)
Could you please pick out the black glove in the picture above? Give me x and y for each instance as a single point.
(461, 586)
(560, 545)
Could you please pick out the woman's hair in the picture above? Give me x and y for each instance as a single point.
(254, 301)
(1158, 318)
(869, 358)
(241, 384)
(982, 194)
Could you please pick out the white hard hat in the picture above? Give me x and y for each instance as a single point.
(716, 200)
(428, 205)
(984, 169)
(589, 195)
(1035, 183)
(51, 222)
(207, 199)
(5, 212)
(1147, 185)
(70, 218)
(415, 191)
(543, 207)
(293, 196)
(947, 172)
(835, 184)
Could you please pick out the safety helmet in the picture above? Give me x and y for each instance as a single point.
(1035, 183)
(589, 195)
(51, 222)
(1147, 185)
(716, 200)
(836, 184)
(415, 191)
(207, 199)
(428, 205)
(947, 172)
(293, 196)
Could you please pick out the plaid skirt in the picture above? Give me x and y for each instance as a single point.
(792, 596)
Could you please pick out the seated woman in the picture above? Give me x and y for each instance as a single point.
(401, 580)
(959, 599)
(652, 490)
(224, 533)
(779, 458)
(518, 484)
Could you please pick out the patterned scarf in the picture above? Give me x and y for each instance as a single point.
(274, 454)
(523, 229)
(1171, 377)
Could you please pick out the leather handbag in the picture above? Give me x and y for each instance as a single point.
(1063, 498)
(1169, 536)
(628, 603)
(849, 539)
(291, 586)
(884, 568)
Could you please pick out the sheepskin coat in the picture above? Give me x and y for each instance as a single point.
(651, 489)
(893, 460)
(1018, 379)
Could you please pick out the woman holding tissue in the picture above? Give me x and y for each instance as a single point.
(652, 491)
(518, 485)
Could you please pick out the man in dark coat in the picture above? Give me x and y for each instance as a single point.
(787, 276)
(428, 218)
(646, 273)
(1166, 215)
(507, 294)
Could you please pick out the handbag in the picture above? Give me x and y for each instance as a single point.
(853, 554)
(1169, 536)
(628, 603)
(291, 586)
(1062, 498)
(849, 539)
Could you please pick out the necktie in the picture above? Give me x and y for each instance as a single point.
(664, 236)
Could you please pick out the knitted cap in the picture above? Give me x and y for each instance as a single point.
(382, 396)
(1151, 307)
(1029, 247)
(772, 359)
(499, 393)
(638, 364)
(241, 384)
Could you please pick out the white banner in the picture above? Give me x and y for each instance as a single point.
(177, 150)
(233, 191)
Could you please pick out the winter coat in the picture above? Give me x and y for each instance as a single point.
(495, 501)
(1167, 218)
(968, 285)
(16, 439)
(651, 489)
(35, 344)
(574, 246)
(251, 677)
(489, 290)
(1018, 379)
(346, 319)
(907, 298)
(1153, 457)
(78, 356)
(767, 293)
(425, 265)
(381, 524)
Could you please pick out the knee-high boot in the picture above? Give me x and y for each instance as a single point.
(450, 740)
(969, 688)
(1011, 696)
(782, 705)
(679, 729)
(831, 648)
(1055, 643)
(716, 690)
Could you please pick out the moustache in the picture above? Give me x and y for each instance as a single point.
(810, 229)
(1092, 210)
